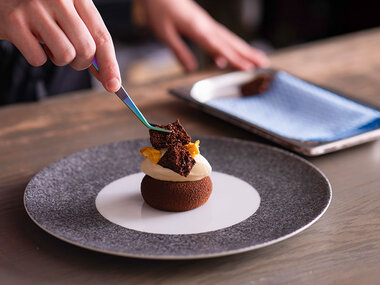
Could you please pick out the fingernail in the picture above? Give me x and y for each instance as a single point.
(191, 68)
(248, 66)
(113, 84)
(221, 62)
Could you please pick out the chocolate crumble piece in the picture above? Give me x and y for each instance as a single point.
(256, 86)
(163, 140)
(178, 159)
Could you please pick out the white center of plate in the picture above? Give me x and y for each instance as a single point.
(232, 200)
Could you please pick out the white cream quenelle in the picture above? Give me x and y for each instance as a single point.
(200, 170)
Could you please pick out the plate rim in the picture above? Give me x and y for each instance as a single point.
(194, 256)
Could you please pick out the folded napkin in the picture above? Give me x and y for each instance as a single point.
(299, 110)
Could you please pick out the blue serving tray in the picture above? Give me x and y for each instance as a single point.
(294, 113)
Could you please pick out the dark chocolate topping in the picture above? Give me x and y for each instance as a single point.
(258, 85)
(178, 159)
(163, 140)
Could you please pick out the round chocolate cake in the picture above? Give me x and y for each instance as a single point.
(175, 196)
(177, 175)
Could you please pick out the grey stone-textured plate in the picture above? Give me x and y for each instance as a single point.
(294, 194)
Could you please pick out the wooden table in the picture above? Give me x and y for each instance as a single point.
(343, 246)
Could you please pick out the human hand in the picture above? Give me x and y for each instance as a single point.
(72, 32)
(170, 19)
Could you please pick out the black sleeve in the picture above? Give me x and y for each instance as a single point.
(117, 15)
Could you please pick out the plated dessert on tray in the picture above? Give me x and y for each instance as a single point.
(176, 174)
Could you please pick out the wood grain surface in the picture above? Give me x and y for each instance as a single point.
(343, 247)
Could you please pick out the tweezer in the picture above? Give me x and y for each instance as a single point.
(123, 95)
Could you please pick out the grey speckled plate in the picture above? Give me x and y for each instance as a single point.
(294, 194)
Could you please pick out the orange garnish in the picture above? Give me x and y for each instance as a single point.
(153, 154)
(193, 148)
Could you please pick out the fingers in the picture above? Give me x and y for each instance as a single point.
(72, 32)
(61, 50)
(219, 48)
(79, 36)
(109, 73)
(223, 45)
(26, 42)
(251, 54)
(183, 53)
(226, 50)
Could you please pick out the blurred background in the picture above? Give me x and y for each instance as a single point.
(266, 24)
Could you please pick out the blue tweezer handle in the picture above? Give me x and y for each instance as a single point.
(123, 95)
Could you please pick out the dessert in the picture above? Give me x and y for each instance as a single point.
(256, 86)
(176, 174)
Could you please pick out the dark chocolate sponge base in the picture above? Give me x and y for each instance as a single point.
(175, 196)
